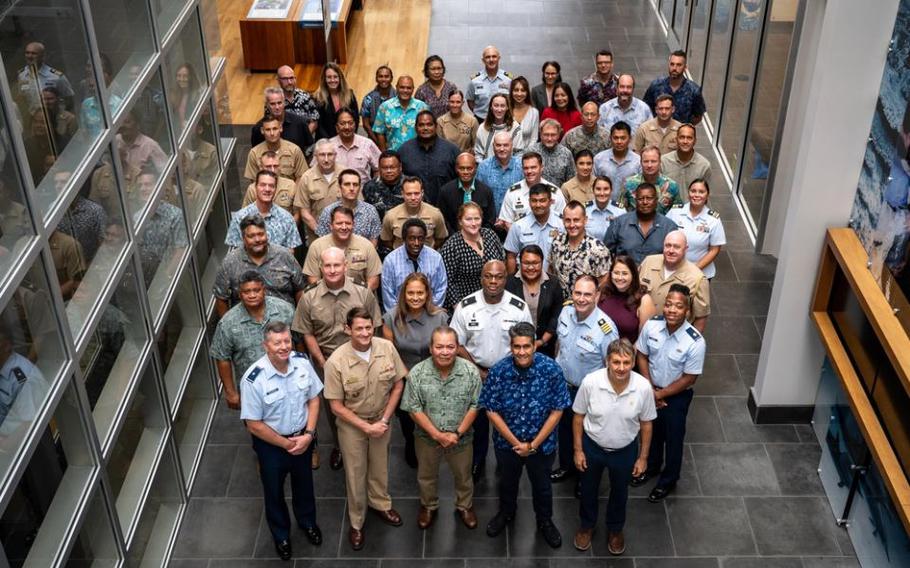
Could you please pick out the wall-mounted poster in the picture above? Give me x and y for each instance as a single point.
(270, 9)
(311, 10)
(881, 209)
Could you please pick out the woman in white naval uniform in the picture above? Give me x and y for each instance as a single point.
(703, 227)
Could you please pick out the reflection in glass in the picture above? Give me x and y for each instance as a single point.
(15, 226)
(211, 30)
(716, 58)
(211, 250)
(151, 539)
(186, 75)
(42, 506)
(738, 97)
(698, 39)
(112, 354)
(199, 164)
(133, 455)
(179, 335)
(162, 242)
(94, 545)
(166, 12)
(193, 412)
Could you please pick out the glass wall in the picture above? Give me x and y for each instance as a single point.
(108, 392)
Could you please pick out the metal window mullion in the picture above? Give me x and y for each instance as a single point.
(177, 25)
(101, 302)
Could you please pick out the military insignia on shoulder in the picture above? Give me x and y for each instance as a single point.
(658, 318)
(309, 287)
(253, 374)
(515, 186)
(475, 75)
(299, 355)
(508, 74)
(604, 325)
(567, 302)
(693, 333)
(468, 301)
(55, 71)
(517, 303)
(20, 375)
(678, 205)
(714, 213)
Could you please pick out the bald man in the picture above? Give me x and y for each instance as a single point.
(396, 119)
(588, 135)
(466, 187)
(296, 101)
(38, 75)
(484, 84)
(659, 271)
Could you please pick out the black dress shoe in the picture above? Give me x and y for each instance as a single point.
(560, 474)
(498, 524)
(550, 534)
(659, 493)
(640, 480)
(313, 534)
(335, 461)
(283, 548)
(477, 471)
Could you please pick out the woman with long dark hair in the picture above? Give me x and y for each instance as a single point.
(625, 300)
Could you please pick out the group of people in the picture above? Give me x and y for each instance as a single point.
(530, 266)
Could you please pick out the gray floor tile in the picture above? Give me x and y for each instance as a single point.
(732, 334)
(738, 425)
(245, 481)
(448, 535)
(227, 427)
(336, 563)
(710, 526)
(525, 541)
(507, 563)
(829, 562)
(753, 267)
(188, 563)
(201, 538)
(676, 563)
(806, 433)
(384, 541)
(250, 563)
(420, 563)
(687, 485)
(796, 467)
(740, 298)
(760, 562)
(793, 526)
(734, 469)
(647, 530)
(608, 562)
(214, 472)
(703, 422)
(720, 377)
(748, 366)
(724, 267)
(329, 514)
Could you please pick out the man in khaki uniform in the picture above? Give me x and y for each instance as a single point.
(317, 188)
(413, 206)
(363, 384)
(659, 131)
(659, 271)
(363, 264)
(69, 262)
(291, 161)
(284, 193)
(320, 318)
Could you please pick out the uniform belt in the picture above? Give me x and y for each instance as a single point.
(294, 434)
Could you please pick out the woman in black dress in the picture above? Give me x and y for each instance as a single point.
(466, 251)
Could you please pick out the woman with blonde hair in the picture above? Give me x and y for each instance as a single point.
(333, 95)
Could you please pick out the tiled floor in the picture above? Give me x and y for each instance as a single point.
(749, 495)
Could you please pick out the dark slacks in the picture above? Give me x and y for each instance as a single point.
(274, 466)
(669, 435)
(619, 463)
(481, 438)
(538, 467)
(566, 442)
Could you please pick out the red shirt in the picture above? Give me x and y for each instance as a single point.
(568, 119)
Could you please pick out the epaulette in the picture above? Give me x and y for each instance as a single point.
(20, 375)
(517, 303)
(475, 75)
(658, 318)
(604, 325)
(472, 299)
(309, 287)
(515, 186)
(508, 74)
(253, 374)
(567, 302)
(678, 205)
(693, 333)
(714, 213)
(55, 71)
(299, 355)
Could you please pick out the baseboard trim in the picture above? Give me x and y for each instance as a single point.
(779, 414)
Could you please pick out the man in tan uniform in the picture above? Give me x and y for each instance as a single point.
(291, 161)
(320, 318)
(69, 261)
(659, 271)
(413, 206)
(363, 384)
(363, 264)
(317, 188)
(659, 131)
(284, 193)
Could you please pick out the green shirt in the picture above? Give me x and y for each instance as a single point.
(238, 337)
(444, 401)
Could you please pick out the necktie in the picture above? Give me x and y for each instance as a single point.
(416, 266)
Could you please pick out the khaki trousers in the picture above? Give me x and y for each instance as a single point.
(429, 455)
(327, 408)
(366, 471)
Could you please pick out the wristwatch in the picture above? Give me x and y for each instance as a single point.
(310, 432)
(531, 449)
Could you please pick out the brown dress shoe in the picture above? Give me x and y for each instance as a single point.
(355, 537)
(390, 517)
(616, 543)
(335, 461)
(314, 462)
(425, 517)
(467, 517)
(583, 539)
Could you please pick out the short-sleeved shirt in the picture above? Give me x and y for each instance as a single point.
(624, 236)
(482, 87)
(433, 164)
(575, 189)
(431, 216)
(529, 231)
(364, 387)
(398, 265)
(366, 220)
(164, 233)
(382, 196)
(667, 192)
(315, 192)
(279, 225)
(685, 172)
(238, 337)
(517, 204)
(599, 219)
(280, 270)
(499, 179)
(31, 84)
(651, 273)
(483, 328)
(567, 264)
(688, 100)
(360, 254)
(370, 103)
(439, 105)
(703, 231)
(595, 142)
(650, 133)
(592, 89)
(361, 156)
(142, 151)
(284, 194)
(460, 131)
(85, 221)
(611, 113)
(301, 104)
(322, 313)
(397, 123)
(606, 165)
(558, 162)
(671, 355)
(279, 399)
(291, 161)
(613, 420)
(22, 392)
(524, 398)
(583, 344)
(413, 342)
(444, 401)
(464, 264)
